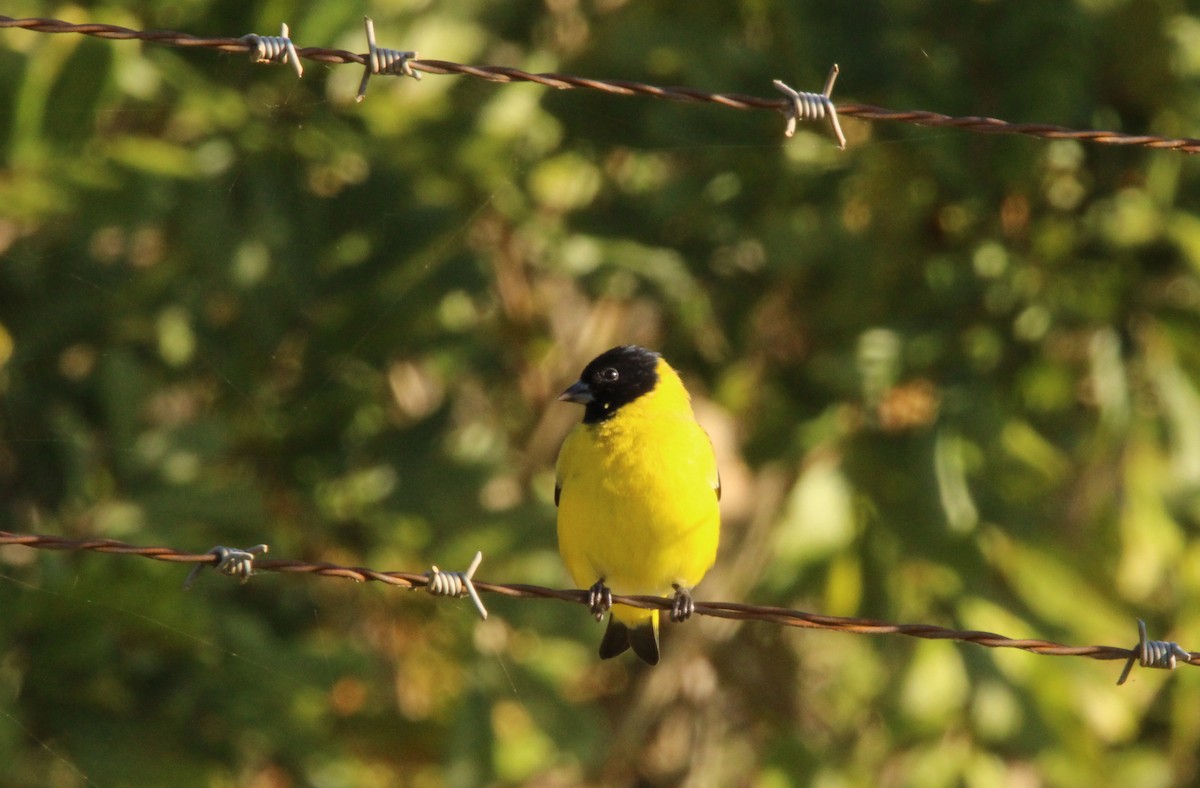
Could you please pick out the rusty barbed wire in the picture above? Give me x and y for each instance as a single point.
(1155, 654)
(502, 74)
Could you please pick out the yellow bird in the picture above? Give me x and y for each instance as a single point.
(637, 490)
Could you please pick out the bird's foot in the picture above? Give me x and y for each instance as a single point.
(682, 605)
(599, 599)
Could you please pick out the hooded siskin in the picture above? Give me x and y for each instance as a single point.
(637, 491)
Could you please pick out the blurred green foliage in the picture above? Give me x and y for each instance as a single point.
(951, 378)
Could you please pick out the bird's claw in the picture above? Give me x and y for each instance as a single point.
(599, 599)
(682, 605)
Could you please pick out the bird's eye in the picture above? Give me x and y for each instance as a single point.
(610, 374)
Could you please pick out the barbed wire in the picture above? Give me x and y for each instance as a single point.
(405, 64)
(1147, 653)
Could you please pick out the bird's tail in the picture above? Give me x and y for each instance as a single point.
(639, 631)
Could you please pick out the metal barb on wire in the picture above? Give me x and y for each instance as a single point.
(1162, 654)
(274, 49)
(230, 561)
(457, 584)
(812, 106)
(381, 60)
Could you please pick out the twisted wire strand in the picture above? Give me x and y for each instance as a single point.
(731, 610)
(867, 112)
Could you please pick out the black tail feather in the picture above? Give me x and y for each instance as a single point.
(618, 638)
(644, 640)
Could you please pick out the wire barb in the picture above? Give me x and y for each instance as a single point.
(381, 60)
(1161, 654)
(274, 49)
(812, 106)
(457, 584)
(230, 561)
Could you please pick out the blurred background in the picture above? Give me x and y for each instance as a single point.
(951, 378)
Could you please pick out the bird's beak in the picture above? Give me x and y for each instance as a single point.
(579, 392)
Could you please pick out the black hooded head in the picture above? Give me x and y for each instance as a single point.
(614, 378)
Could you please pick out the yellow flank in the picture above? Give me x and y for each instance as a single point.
(638, 500)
